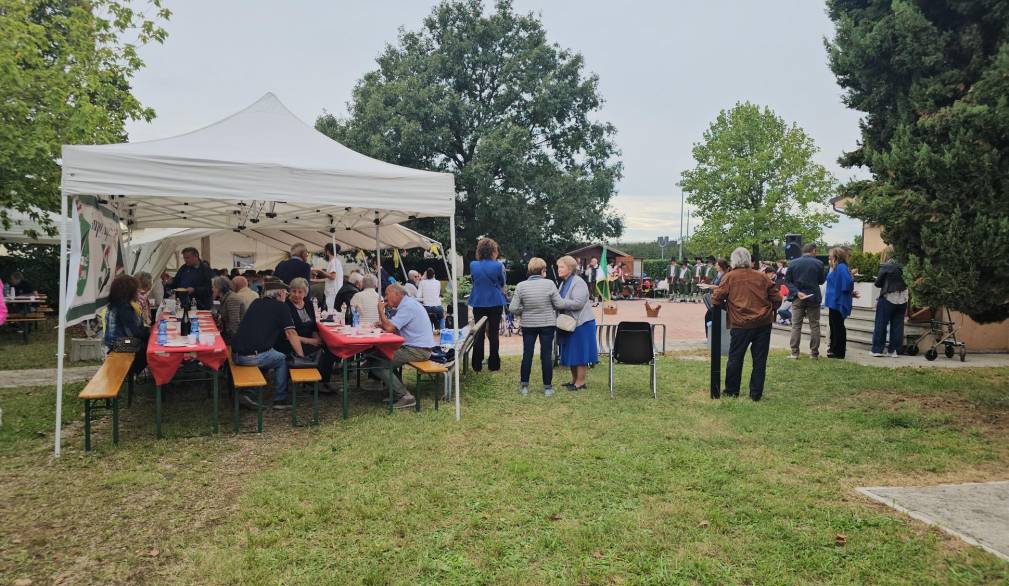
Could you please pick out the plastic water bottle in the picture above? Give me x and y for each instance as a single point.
(195, 331)
(357, 318)
(447, 337)
(315, 306)
(162, 333)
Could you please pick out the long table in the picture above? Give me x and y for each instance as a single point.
(345, 342)
(164, 360)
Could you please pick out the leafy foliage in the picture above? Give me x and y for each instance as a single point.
(755, 181)
(933, 80)
(65, 70)
(867, 264)
(486, 97)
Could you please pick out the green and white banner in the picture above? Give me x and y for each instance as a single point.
(95, 257)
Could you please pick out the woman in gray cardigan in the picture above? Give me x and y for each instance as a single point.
(536, 300)
(578, 348)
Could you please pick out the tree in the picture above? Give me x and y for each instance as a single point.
(932, 79)
(755, 181)
(65, 70)
(486, 97)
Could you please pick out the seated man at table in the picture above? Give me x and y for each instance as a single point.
(412, 323)
(351, 288)
(232, 308)
(266, 320)
(20, 285)
(240, 286)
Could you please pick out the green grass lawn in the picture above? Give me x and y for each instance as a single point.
(39, 352)
(578, 488)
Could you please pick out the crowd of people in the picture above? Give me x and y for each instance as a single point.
(268, 316)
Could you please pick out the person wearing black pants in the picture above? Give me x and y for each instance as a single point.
(838, 334)
(491, 330)
(487, 299)
(759, 341)
(750, 299)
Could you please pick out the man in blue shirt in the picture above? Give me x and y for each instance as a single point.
(413, 324)
(195, 278)
(804, 277)
(294, 267)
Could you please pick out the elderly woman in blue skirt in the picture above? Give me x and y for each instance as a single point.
(578, 348)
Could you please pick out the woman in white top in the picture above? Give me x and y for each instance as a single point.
(334, 274)
(429, 294)
(365, 301)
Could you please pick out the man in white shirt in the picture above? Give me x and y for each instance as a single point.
(366, 300)
(333, 274)
(430, 297)
(593, 274)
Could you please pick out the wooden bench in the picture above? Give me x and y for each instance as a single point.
(25, 318)
(301, 377)
(104, 386)
(247, 378)
(428, 368)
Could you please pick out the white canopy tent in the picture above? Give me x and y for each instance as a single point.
(156, 249)
(262, 168)
(22, 225)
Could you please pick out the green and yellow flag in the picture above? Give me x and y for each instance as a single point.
(603, 286)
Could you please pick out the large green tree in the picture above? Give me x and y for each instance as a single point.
(65, 70)
(755, 181)
(483, 94)
(932, 78)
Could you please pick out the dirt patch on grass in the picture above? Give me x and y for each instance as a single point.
(963, 412)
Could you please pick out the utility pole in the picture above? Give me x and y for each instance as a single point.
(680, 256)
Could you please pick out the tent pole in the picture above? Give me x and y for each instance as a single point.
(378, 255)
(455, 321)
(61, 338)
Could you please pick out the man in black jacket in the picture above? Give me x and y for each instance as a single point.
(804, 277)
(195, 277)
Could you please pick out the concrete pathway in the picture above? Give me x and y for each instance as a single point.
(38, 377)
(977, 513)
(779, 340)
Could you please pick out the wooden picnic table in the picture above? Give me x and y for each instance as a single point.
(345, 342)
(164, 360)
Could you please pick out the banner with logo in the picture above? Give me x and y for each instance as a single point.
(96, 256)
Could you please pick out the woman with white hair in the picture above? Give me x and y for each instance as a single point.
(578, 349)
(366, 301)
(750, 299)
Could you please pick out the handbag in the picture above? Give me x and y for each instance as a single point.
(309, 360)
(566, 323)
(128, 345)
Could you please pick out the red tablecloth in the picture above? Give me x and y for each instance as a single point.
(343, 343)
(164, 361)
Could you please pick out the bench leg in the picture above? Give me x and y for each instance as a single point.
(436, 393)
(115, 420)
(234, 418)
(346, 392)
(417, 394)
(129, 389)
(216, 400)
(392, 396)
(294, 404)
(315, 404)
(87, 425)
(157, 412)
(259, 410)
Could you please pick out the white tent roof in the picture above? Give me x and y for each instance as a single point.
(22, 223)
(227, 174)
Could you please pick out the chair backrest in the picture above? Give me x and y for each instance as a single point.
(633, 343)
(467, 343)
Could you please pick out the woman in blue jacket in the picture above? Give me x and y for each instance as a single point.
(838, 299)
(487, 300)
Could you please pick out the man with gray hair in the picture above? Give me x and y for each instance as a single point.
(413, 277)
(803, 279)
(750, 300)
(296, 266)
(231, 310)
(366, 301)
(412, 323)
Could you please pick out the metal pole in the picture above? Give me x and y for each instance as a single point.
(61, 339)
(378, 255)
(680, 256)
(716, 351)
(455, 311)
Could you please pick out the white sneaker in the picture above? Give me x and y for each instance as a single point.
(878, 354)
(893, 354)
(793, 356)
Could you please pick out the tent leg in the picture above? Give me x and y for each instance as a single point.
(61, 338)
(455, 308)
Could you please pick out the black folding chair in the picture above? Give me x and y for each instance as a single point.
(633, 344)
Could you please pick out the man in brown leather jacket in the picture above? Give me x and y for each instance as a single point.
(750, 299)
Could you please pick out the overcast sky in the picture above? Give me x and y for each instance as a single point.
(666, 68)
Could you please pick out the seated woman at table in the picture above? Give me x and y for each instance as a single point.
(307, 329)
(366, 301)
(122, 320)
